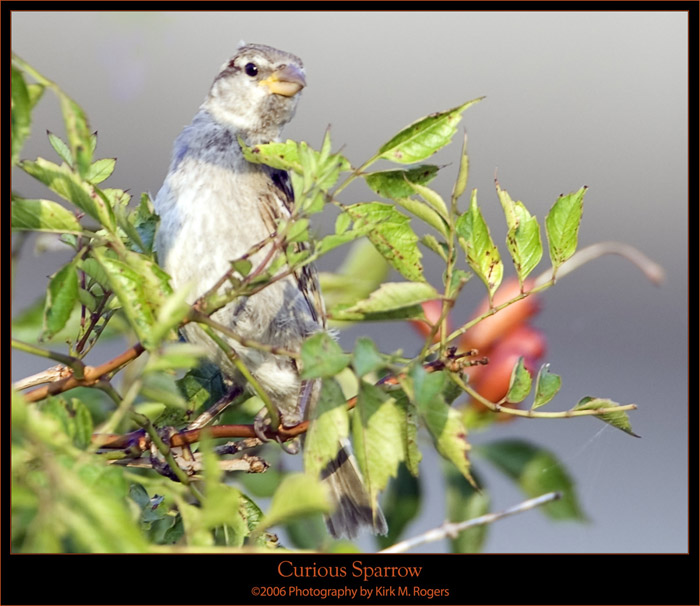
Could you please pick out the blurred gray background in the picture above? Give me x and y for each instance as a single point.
(573, 98)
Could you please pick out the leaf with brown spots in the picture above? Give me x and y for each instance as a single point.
(424, 137)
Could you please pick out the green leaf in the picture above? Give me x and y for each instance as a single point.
(175, 356)
(222, 503)
(443, 422)
(392, 300)
(145, 222)
(23, 100)
(424, 213)
(396, 184)
(80, 139)
(320, 170)
(618, 419)
(401, 503)
(141, 287)
(63, 181)
(378, 427)
(61, 298)
(392, 236)
(546, 386)
(201, 387)
(424, 137)
(342, 222)
(432, 198)
(366, 357)
(439, 248)
(463, 175)
(482, 254)
(520, 382)
(74, 418)
(242, 266)
(362, 271)
(464, 502)
(321, 356)
(523, 238)
(42, 215)
(282, 155)
(412, 454)
(100, 170)
(298, 495)
(162, 388)
(78, 132)
(60, 147)
(328, 428)
(537, 471)
(562, 225)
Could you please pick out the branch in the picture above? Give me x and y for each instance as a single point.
(91, 375)
(452, 529)
(653, 271)
(531, 414)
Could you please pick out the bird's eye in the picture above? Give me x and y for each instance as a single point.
(251, 69)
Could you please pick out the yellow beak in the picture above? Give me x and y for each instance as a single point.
(287, 81)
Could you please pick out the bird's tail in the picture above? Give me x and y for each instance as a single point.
(353, 504)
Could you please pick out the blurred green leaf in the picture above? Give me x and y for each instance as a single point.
(618, 419)
(463, 174)
(401, 504)
(482, 254)
(396, 184)
(175, 356)
(162, 388)
(536, 471)
(308, 533)
(562, 225)
(424, 213)
(424, 137)
(546, 386)
(439, 248)
(362, 271)
(392, 300)
(60, 147)
(321, 356)
(377, 429)
(328, 428)
(432, 198)
(366, 357)
(74, 417)
(61, 298)
(464, 502)
(42, 215)
(201, 387)
(24, 98)
(298, 495)
(520, 382)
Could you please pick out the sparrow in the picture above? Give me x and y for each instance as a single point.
(214, 207)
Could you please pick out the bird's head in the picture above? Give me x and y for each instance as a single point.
(256, 92)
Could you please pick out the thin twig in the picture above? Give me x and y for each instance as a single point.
(653, 271)
(532, 414)
(452, 529)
